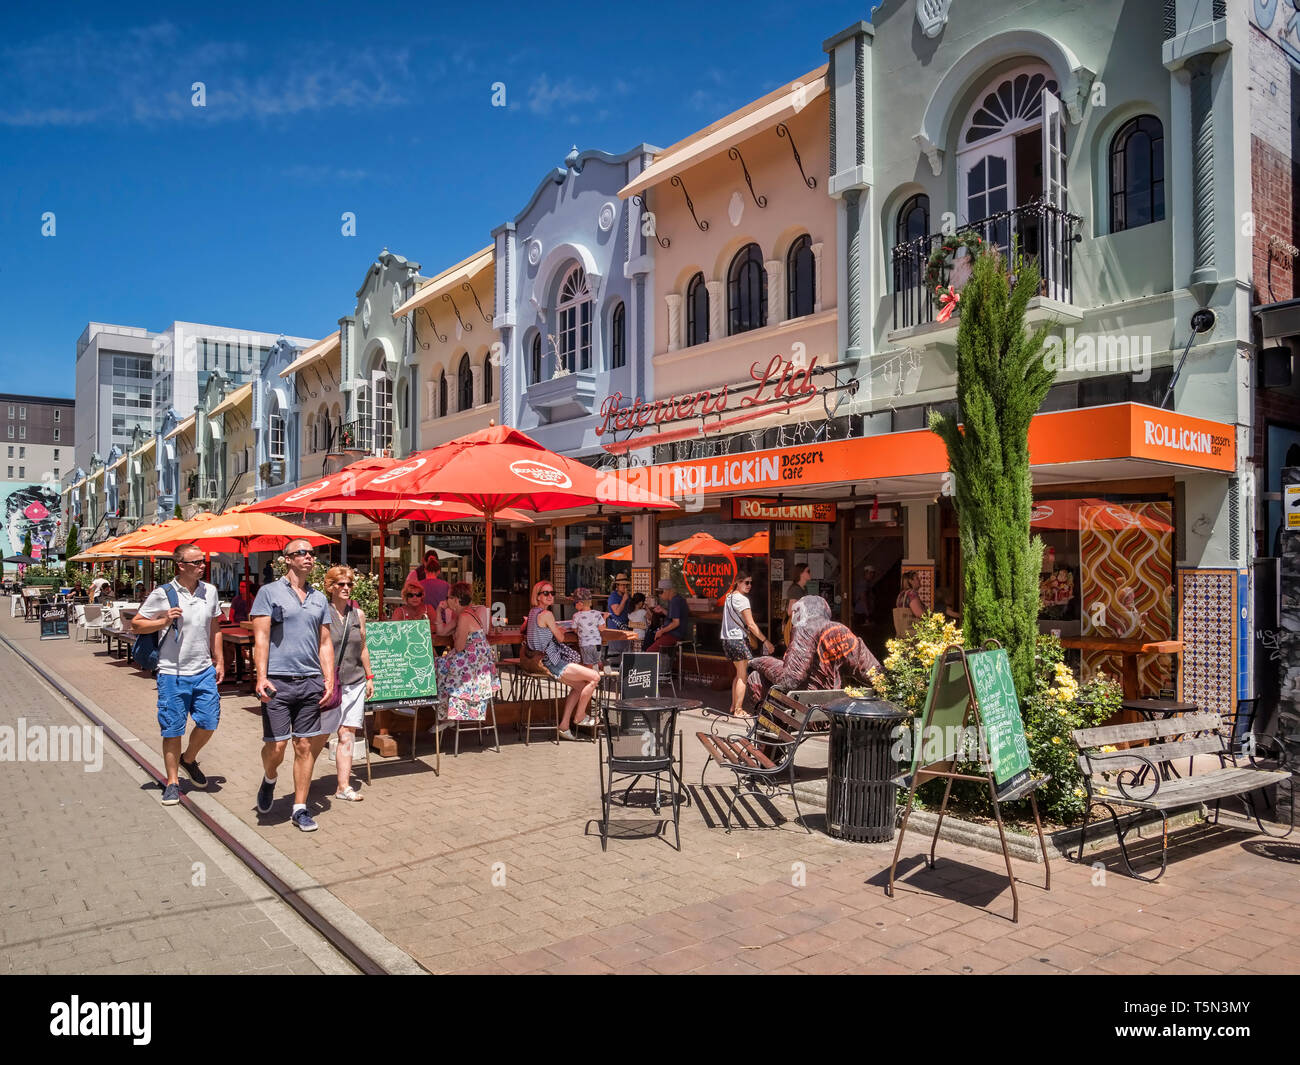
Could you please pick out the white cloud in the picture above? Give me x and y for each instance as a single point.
(543, 97)
(144, 76)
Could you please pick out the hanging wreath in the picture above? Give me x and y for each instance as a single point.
(971, 241)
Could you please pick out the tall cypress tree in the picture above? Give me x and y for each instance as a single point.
(1002, 378)
(27, 543)
(73, 546)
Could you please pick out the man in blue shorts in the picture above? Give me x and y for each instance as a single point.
(190, 665)
(294, 661)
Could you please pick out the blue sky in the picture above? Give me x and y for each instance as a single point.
(230, 213)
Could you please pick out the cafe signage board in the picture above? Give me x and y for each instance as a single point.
(746, 508)
(401, 657)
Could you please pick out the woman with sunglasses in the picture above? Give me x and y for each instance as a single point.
(542, 633)
(352, 671)
(414, 608)
(737, 626)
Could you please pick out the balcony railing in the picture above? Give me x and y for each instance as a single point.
(1037, 231)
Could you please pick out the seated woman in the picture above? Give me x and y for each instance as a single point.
(414, 608)
(467, 673)
(542, 634)
(823, 656)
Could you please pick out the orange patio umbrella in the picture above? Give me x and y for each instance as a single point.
(334, 495)
(699, 543)
(758, 544)
(496, 468)
(236, 531)
(623, 554)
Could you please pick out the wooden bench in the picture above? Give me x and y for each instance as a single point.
(1142, 777)
(765, 753)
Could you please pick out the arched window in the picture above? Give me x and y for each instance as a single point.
(383, 394)
(697, 311)
(464, 384)
(618, 337)
(535, 360)
(442, 394)
(1137, 174)
(1015, 104)
(913, 219)
(574, 314)
(746, 291)
(487, 379)
(800, 279)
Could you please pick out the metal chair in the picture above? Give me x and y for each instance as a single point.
(480, 725)
(637, 742)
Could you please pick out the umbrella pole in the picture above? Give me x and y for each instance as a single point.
(383, 559)
(487, 564)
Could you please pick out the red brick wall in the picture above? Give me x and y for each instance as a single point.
(1274, 181)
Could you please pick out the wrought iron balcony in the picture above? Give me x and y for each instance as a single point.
(1036, 232)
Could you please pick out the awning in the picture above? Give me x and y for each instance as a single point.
(188, 423)
(320, 350)
(764, 113)
(99, 473)
(449, 279)
(145, 448)
(1118, 440)
(116, 463)
(235, 399)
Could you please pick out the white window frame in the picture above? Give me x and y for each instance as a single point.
(382, 390)
(274, 437)
(573, 317)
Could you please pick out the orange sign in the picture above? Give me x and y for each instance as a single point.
(1090, 434)
(770, 510)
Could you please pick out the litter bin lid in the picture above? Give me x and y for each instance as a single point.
(865, 706)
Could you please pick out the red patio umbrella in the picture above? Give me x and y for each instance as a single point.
(334, 495)
(496, 468)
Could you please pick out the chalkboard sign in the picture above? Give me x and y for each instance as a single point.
(999, 709)
(54, 623)
(638, 676)
(401, 658)
(944, 713)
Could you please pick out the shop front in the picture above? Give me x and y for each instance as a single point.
(1119, 493)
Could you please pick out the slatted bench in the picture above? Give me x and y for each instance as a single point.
(1143, 778)
(113, 639)
(765, 753)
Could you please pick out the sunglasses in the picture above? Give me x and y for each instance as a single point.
(547, 591)
(304, 553)
(419, 595)
(342, 584)
(190, 562)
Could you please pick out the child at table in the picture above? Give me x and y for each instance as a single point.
(638, 618)
(587, 623)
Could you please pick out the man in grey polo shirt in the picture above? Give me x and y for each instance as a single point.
(294, 660)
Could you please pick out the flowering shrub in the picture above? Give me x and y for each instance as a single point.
(1058, 705)
(905, 680)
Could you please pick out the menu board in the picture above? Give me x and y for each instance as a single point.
(945, 712)
(401, 657)
(999, 708)
(638, 675)
(54, 623)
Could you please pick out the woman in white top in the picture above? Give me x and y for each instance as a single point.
(737, 625)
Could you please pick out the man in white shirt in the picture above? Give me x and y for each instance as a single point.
(97, 587)
(190, 665)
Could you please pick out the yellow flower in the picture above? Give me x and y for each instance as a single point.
(1063, 712)
(1078, 792)
(1056, 739)
(1109, 749)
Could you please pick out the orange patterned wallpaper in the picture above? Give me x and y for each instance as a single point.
(1127, 585)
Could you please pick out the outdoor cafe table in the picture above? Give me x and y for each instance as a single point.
(1128, 650)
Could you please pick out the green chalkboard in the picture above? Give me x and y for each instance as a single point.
(944, 713)
(999, 709)
(401, 658)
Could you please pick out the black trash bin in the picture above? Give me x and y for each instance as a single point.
(860, 797)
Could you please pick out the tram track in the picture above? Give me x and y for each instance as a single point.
(337, 938)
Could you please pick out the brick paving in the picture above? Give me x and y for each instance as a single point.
(496, 866)
(98, 877)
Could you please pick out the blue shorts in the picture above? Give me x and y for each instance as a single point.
(180, 698)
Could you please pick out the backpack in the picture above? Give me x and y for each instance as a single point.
(144, 649)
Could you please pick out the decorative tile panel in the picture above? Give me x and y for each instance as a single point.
(1208, 674)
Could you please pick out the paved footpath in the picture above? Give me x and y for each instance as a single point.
(495, 866)
(98, 877)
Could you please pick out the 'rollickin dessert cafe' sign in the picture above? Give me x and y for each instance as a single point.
(782, 385)
(709, 576)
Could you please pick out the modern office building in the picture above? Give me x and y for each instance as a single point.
(38, 453)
